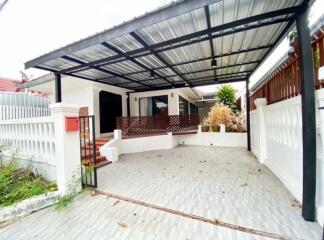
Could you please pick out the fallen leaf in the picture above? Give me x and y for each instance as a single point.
(244, 185)
(93, 193)
(115, 203)
(124, 225)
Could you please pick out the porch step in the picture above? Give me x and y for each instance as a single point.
(100, 160)
(102, 163)
(184, 133)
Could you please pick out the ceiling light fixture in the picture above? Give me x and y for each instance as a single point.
(151, 74)
(213, 63)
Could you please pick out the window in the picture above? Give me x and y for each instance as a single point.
(154, 106)
(183, 106)
(193, 108)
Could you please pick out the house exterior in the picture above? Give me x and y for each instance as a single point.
(184, 44)
(107, 102)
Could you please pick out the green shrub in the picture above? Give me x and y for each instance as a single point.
(17, 184)
(226, 96)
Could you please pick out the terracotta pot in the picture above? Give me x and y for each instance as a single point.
(216, 128)
(204, 128)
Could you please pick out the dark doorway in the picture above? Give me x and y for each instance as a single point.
(110, 108)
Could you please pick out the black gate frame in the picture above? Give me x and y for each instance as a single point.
(88, 151)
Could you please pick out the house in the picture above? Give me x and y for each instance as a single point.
(145, 70)
(106, 102)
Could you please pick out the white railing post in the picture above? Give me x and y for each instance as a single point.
(67, 149)
(260, 104)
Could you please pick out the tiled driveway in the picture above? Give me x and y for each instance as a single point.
(216, 183)
(227, 184)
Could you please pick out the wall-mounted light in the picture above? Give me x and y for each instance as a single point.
(135, 99)
(321, 73)
(151, 74)
(172, 94)
(213, 63)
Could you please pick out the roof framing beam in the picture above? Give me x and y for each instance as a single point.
(199, 71)
(157, 55)
(275, 44)
(231, 27)
(200, 59)
(172, 10)
(199, 83)
(211, 44)
(107, 71)
(133, 60)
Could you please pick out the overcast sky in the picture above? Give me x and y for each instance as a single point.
(30, 28)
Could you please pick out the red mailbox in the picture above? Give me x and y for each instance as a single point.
(71, 124)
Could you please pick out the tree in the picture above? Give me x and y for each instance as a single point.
(226, 95)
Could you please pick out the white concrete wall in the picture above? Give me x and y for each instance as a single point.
(277, 142)
(118, 146)
(173, 99)
(214, 139)
(31, 141)
(85, 94)
(44, 143)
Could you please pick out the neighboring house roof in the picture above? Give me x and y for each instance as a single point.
(9, 85)
(12, 85)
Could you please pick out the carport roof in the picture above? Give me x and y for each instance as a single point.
(174, 46)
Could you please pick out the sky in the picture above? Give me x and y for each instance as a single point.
(30, 28)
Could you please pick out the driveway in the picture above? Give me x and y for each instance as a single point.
(176, 194)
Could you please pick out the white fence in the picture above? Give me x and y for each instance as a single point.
(32, 141)
(276, 140)
(22, 105)
(44, 143)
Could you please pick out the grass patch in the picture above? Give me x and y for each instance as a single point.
(17, 184)
(63, 202)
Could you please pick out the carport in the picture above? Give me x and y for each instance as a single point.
(194, 43)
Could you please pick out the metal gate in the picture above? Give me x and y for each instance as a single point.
(88, 151)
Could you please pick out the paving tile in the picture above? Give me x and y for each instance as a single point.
(228, 187)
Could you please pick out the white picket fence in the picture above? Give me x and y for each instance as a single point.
(22, 105)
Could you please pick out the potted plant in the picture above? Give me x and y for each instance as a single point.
(216, 128)
(204, 128)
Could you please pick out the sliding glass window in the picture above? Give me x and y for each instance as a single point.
(154, 106)
(183, 106)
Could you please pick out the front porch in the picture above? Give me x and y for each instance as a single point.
(211, 182)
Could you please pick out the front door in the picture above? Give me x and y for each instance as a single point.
(110, 108)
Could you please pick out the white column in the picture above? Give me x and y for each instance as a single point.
(117, 134)
(67, 149)
(320, 164)
(260, 104)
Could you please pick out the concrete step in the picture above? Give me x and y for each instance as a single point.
(102, 163)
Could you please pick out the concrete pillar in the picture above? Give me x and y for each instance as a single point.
(117, 134)
(67, 149)
(260, 104)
